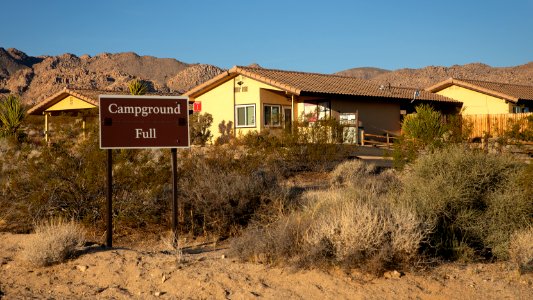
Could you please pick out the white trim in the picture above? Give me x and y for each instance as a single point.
(143, 97)
(246, 117)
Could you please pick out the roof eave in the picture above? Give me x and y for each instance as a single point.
(452, 81)
(41, 107)
(280, 85)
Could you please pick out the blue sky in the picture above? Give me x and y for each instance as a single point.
(314, 36)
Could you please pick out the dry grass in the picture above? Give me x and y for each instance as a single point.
(521, 249)
(351, 171)
(53, 242)
(361, 226)
(346, 226)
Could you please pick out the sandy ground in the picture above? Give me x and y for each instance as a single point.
(148, 271)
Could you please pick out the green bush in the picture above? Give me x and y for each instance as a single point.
(68, 180)
(199, 125)
(137, 87)
(470, 201)
(426, 131)
(310, 147)
(12, 114)
(426, 126)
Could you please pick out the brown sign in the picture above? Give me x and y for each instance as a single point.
(143, 122)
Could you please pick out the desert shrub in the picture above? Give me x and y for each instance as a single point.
(470, 201)
(351, 171)
(425, 131)
(309, 147)
(138, 87)
(226, 132)
(12, 114)
(521, 249)
(53, 242)
(68, 180)
(199, 125)
(346, 226)
(221, 189)
(521, 130)
(426, 126)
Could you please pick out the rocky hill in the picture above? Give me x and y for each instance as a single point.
(363, 73)
(192, 76)
(425, 77)
(34, 78)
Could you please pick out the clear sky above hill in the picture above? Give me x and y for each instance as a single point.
(314, 36)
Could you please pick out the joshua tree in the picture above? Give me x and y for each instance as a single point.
(12, 114)
(137, 87)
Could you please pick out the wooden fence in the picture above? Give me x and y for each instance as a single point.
(494, 125)
(385, 140)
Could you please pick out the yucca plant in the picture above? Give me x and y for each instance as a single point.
(137, 87)
(12, 114)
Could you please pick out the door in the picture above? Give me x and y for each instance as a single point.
(287, 117)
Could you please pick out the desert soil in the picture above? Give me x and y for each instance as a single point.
(147, 269)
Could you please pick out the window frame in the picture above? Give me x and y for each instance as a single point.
(280, 115)
(245, 106)
(317, 110)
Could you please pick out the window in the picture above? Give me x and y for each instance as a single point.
(245, 115)
(520, 109)
(272, 114)
(317, 110)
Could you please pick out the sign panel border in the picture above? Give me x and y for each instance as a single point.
(137, 98)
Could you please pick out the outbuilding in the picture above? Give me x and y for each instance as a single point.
(484, 97)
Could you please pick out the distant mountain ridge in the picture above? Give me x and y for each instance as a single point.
(35, 78)
(428, 76)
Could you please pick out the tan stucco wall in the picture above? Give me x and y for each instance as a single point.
(221, 102)
(70, 103)
(475, 103)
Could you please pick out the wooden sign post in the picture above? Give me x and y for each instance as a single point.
(140, 122)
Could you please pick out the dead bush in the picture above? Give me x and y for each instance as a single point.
(343, 226)
(222, 189)
(521, 249)
(53, 242)
(351, 171)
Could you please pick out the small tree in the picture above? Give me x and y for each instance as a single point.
(423, 130)
(137, 87)
(12, 114)
(426, 126)
(199, 127)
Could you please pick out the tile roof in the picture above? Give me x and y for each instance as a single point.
(510, 92)
(301, 83)
(87, 95)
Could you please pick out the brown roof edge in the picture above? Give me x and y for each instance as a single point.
(274, 83)
(453, 81)
(210, 84)
(233, 72)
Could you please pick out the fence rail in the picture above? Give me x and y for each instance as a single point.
(494, 125)
(377, 140)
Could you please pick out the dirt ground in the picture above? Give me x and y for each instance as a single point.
(148, 269)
